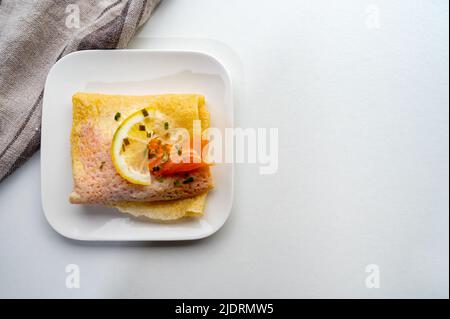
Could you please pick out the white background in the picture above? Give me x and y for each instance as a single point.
(363, 165)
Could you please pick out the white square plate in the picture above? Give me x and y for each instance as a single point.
(134, 72)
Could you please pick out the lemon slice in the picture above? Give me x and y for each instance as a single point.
(129, 150)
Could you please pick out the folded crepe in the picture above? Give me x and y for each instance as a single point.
(95, 178)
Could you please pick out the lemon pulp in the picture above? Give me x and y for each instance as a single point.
(129, 148)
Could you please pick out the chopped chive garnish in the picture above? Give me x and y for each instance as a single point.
(166, 125)
(126, 141)
(144, 112)
(165, 157)
(176, 183)
(102, 164)
(188, 180)
(117, 116)
(155, 168)
(141, 127)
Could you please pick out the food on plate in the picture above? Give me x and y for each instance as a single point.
(136, 153)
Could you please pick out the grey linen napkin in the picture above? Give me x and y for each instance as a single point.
(34, 34)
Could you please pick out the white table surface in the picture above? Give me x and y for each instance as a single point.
(362, 110)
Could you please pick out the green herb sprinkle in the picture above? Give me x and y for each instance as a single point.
(188, 180)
